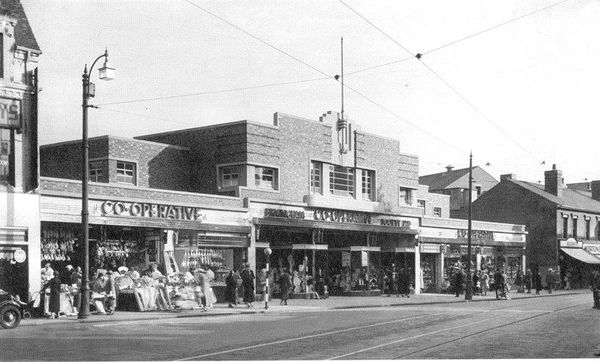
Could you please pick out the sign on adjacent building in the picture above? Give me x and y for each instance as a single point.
(10, 113)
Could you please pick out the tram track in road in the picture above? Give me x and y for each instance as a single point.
(438, 345)
(301, 338)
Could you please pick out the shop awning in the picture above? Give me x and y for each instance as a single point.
(400, 249)
(581, 255)
(309, 247)
(330, 225)
(357, 248)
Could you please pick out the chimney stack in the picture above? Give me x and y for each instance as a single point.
(508, 176)
(449, 168)
(553, 181)
(595, 190)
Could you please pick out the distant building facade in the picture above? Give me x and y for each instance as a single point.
(563, 224)
(19, 203)
(455, 183)
(331, 201)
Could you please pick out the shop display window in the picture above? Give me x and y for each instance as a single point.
(5, 167)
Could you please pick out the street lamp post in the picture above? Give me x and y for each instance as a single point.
(268, 255)
(469, 282)
(105, 73)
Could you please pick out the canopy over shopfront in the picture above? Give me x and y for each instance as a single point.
(581, 255)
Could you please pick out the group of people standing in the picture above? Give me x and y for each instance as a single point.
(242, 283)
(397, 282)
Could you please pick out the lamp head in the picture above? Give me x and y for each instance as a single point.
(106, 72)
(268, 251)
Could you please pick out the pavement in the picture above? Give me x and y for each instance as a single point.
(298, 305)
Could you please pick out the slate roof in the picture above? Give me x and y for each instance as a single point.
(439, 181)
(23, 34)
(570, 198)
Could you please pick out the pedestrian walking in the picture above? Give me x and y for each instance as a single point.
(595, 284)
(568, 280)
(285, 284)
(248, 283)
(550, 280)
(528, 279)
(499, 284)
(405, 282)
(261, 283)
(485, 282)
(230, 286)
(393, 280)
(111, 294)
(520, 282)
(458, 281)
(538, 283)
(54, 300)
(476, 284)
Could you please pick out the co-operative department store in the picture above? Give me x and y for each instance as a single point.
(328, 199)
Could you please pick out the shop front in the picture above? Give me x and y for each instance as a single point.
(444, 247)
(348, 251)
(135, 234)
(577, 260)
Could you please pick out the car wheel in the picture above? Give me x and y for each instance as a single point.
(10, 317)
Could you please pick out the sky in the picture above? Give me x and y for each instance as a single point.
(519, 92)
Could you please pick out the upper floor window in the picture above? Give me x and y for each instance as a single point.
(406, 196)
(341, 181)
(575, 227)
(1, 55)
(565, 228)
(229, 176)
(5, 155)
(587, 229)
(478, 190)
(316, 181)
(265, 177)
(437, 211)
(367, 185)
(96, 171)
(421, 204)
(126, 172)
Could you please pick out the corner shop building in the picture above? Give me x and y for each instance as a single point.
(322, 194)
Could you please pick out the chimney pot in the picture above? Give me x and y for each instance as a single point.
(595, 186)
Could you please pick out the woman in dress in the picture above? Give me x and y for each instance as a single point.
(485, 283)
(230, 286)
(248, 284)
(54, 302)
(285, 284)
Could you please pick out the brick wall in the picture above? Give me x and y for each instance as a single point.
(507, 202)
(157, 165)
(63, 160)
(53, 186)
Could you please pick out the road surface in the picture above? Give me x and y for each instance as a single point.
(551, 327)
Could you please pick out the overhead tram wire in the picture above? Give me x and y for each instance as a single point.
(325, 74)
(420, 55)
(347, 73)
(150, 99)
(494, 27)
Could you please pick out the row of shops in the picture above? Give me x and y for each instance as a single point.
(349, 251)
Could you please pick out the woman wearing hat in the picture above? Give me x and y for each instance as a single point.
(248, 284)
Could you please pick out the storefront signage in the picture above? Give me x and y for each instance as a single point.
(10, 113)
(345, 258)
(571, 243)
(285, 214)
(395, 223)
(430, 248)
(364, 258)
(20, 255)
(594, 249)
(143, 209)
(342, 216)
(476, 234)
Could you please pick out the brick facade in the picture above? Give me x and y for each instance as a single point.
(158, 165)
